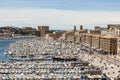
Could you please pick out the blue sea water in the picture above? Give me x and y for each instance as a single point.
(4, 44)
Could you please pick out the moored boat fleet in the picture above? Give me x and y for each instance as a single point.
(39, 59)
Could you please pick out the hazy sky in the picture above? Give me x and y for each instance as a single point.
(59, 14)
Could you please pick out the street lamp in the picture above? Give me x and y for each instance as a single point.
(115, 59)
(101, 54)
(107, 53)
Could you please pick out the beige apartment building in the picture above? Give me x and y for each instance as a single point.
(96, 41)
(88, 40)
(109, 44)
(106, 43)
(118, 46)
(108, 40)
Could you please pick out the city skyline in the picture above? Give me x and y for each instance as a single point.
(59, 14)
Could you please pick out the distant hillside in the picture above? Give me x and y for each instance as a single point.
(16, 30)
(9, 29)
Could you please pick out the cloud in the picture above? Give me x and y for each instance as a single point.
(56, 18)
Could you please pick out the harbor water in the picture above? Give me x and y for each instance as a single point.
(4, 44)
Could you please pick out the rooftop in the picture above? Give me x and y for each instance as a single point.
(99, 35)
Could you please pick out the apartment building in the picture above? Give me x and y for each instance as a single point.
(96, 41)
(102, 42)
(109, 44)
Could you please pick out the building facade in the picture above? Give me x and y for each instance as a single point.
(102, 42)
(109, 44)
(94, 31)
(43, 30)
(112, 30)
(96, 41)
(118, 46)
(53, 36)
(74, 35)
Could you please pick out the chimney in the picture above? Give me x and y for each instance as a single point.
(81, 27)
(74, 28)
